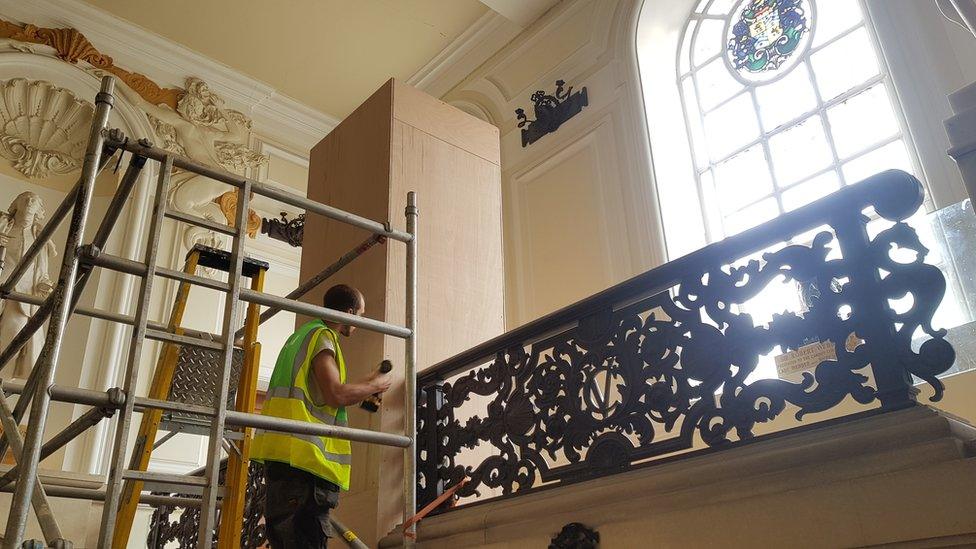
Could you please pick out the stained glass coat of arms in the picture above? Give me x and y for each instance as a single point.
(764, 36)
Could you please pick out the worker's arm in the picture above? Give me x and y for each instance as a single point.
(334, 392)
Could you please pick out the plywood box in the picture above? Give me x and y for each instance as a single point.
(403, 140)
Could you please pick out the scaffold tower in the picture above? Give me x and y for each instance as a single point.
(226, 419)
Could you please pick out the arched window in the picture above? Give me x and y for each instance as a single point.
(758, 107)
(785, 101)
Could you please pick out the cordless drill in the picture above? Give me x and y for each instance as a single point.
(372, 403)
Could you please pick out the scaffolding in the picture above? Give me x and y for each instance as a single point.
(77, 265)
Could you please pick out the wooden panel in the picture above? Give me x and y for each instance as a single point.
(366, 166)
(460, 270)
(350, 169)
(460, 266)
(437, 118)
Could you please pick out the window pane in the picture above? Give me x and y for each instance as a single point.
(748, 218)
(800, 151)
(709, 41)
(835, 17)
(861, 121)
(893, 156)
(731, 126)
(742, 179)
(721, 7)
(716, 84)
(694, 120)
(712, 213)
(844, 64)
(808, 191)
(684, 59)
(786, 99)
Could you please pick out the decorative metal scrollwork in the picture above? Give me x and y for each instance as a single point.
(575, 536)
(670, 357)
(165, 529)
(287, 230)
(550, 111)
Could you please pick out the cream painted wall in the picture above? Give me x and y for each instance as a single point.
(579, 205)
(594, 44)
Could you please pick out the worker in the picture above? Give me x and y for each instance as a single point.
(304, 473)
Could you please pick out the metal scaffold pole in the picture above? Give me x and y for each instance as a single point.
(208, 507)
(135, 354)
(410, 376)
(62, 298)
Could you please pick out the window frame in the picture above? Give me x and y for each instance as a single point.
(687, 69)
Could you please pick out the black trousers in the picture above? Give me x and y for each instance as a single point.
(297, 507)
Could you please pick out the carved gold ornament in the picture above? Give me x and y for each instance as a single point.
(72, 46)
(228, 205)
(43, 128)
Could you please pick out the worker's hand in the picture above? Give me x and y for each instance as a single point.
(380, 381)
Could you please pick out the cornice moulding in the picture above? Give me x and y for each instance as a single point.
(488, 35)
(168, 64)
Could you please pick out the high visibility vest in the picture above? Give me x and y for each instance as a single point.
(289, 397)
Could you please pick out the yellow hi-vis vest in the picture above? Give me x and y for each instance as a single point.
(290, 397)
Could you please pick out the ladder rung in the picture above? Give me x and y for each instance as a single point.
(196, 280)
(184, 340)
(164, 478)
(170, 406)
(201, 222)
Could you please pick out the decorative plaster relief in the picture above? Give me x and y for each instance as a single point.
(228, 205)
(203, 130)
(44, 127)
(71, 46)
(190, 122)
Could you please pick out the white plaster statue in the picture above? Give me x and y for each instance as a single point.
(19, 226)
(203, 130)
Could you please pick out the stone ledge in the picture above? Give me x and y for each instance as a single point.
(781, 489)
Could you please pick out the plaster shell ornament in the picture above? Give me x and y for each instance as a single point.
(203, 130)
(43, 128)
(765, 37)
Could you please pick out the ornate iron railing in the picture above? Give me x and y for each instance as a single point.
(165, 528)
(663, 362)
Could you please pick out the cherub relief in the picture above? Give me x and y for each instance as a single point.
(203, 130)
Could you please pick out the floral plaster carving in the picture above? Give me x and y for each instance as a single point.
(43, 128)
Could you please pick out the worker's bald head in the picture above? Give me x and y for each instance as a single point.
(347, 299)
